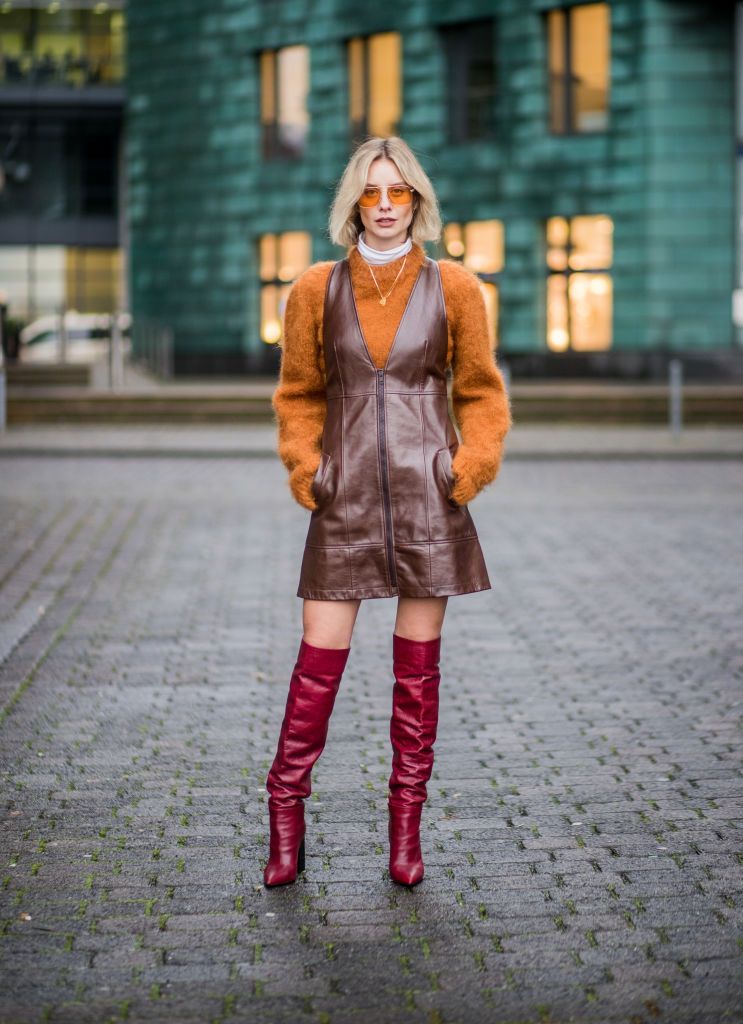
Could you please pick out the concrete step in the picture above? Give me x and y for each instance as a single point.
(48, 375)
(251, 402)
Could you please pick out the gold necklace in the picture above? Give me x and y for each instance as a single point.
(383, 298)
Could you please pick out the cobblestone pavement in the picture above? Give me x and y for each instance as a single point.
(582, 834)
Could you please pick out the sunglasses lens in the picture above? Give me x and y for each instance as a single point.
(369, 197)
(399, 195)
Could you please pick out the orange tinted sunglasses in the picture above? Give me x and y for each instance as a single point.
(400, 195)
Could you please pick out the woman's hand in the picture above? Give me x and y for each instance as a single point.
(300, 480)
(472, 472)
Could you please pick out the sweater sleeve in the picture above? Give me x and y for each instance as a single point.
(479, 399)
(299, 400)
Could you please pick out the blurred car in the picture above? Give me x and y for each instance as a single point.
(87, 336)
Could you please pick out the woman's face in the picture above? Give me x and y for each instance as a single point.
(386, 224)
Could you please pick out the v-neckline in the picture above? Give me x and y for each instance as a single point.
(349, 281)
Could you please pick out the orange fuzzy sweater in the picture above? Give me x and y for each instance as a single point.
(479, 400)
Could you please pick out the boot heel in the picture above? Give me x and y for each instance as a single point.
(300, 858)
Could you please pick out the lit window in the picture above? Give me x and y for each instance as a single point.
(285, 79)
(51, 45)
(470, 61)
(40, 279)
(480, 246)
(579, 286)
(375, 84)
(282, 259)
(93, 279)
(579, 45)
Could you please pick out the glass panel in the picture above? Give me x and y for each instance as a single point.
(557, 242)
(453, 241)
(118, 46)
(268, 95)
(385, 51)
(558, 336)
(15, 28)
(59, 47)
(481, 80)
(556, 63)
(268, 257)
(53, 195)
(270, 320)
(356, 83)
(47, 279)
(38, 281)
(100, 43)
(98, 169)
(484, 246)
(15, 279)
(490, 294)
(18, 159)
(294, 254)
(294, 80)
(92, 280)
(591, 242)
(283, 296)
(590, 311)
(590, 56)
(56, 46)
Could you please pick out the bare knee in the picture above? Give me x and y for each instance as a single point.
(329, 623)
(420, 618)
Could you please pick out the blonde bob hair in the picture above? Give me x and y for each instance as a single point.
(344, 222)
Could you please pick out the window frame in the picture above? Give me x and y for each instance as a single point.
(489, 278)
(568, 126)
(567, 272)
(456, 42)
(358, 131)
(276, 282)
(272, 147)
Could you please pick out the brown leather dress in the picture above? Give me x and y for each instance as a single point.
(385, 525)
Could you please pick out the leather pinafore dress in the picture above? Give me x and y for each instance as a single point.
(385, 525)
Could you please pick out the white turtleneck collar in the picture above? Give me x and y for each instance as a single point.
(378, 256)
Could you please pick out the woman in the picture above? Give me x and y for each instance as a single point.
(365, 432)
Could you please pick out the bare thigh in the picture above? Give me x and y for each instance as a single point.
(329, 623)
(420, 618)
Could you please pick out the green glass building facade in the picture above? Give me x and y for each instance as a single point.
(583, 155)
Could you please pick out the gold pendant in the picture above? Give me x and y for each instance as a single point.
(383, 301)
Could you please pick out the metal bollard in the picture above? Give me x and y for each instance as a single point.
(62, 335)
(3, 393)
(169, 352)
(117, 353)
(675, 388)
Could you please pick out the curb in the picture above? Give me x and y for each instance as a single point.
(261, 453)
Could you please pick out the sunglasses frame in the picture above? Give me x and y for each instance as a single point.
(385, 188)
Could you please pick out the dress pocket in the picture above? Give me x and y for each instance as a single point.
(442, 462)
(320, 479)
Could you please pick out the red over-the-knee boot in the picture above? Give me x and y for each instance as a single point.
(309, 705)
(415, 713)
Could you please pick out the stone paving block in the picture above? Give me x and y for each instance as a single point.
(582, 833)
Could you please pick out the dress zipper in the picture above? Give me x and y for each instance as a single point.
(385, 480)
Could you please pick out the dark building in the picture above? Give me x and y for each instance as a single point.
(61, 118)
(584, 156)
